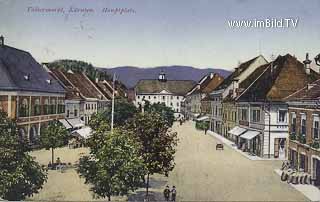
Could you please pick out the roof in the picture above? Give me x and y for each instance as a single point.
(20, 71)
(207, 83)
(78, 82)
(309, 92)
(71, 92)
(178, 87)
(242, 67)
(277, 80)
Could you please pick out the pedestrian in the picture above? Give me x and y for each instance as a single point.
(173, 193)
(205, 130)
(166, 193)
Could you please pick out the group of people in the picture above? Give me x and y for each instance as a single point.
(167, 193)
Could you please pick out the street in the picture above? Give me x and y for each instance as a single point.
(205, 174)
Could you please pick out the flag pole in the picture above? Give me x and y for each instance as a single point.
(112, 108)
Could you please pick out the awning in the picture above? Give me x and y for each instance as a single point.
(83, 132)
(250, 134)
(237, 131)
(203, 118)
(75, 123)
(65, 123)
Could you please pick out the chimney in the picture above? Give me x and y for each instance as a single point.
(1, 41)
(307, 63)
(211, 75)
(97, 80)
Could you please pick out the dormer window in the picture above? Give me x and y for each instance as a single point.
(49, 81)
(27, 77)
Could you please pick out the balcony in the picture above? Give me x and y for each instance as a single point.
(293, 136)
(302, 139)
(315, 144)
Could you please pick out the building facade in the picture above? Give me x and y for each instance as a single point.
(198, 95)
(83, 97)
(262, 112)
(169, 92)
(224, 110)
(304, 134)
(28, 93)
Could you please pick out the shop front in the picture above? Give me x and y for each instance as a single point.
(250, 142)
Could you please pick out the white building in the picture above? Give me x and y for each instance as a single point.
(169, 92)
(262, 113)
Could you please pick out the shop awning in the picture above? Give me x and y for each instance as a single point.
(83, 132)
(65, 123)
(76, 123)
(250, 134)
(196, 115)
(237, 131)
(203, 118)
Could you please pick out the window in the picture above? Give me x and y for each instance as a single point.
(177, 97)
(244, 115)
(293, 123)
(256, 115)
(154, 97)
(37, 107)
(143, 97)
(316, 127)
(282, 116)
(53, 108)
(149, 97)
(216, 110)
(61, 107)
(75, 112)
(163, 97)
(24, 108)
(171, 104)
(303, 124)
(138, 97)
(88, 106)
(68, 113)
(46, 106)
(177, 104)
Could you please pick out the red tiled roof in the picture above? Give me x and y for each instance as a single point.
(309, 92)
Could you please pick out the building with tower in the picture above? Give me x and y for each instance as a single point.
(162, 90)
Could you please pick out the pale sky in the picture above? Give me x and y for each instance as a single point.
(160, 32)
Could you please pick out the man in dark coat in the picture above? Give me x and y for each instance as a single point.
(166, 193)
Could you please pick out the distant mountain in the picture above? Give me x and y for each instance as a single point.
(131, 75)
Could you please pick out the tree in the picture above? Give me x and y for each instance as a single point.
(114, 168)
(20, 175)
(53, 136)
(158, 143)
(166, 112)
(123, 112)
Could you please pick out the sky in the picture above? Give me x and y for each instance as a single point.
(159, 32)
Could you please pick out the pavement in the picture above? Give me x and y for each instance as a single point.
(310, 191)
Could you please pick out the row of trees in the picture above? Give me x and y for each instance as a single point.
(123, 160)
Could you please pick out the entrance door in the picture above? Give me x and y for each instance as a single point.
(316, 169)
(276, 148)
(282, 148)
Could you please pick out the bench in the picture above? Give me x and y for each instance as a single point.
(219, 146)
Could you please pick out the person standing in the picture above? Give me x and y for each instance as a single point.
(173, 193)
(166, 193)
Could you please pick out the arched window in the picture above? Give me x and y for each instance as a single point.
(53, 107)
(36, 107)
(24, 108)
(46, 106)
